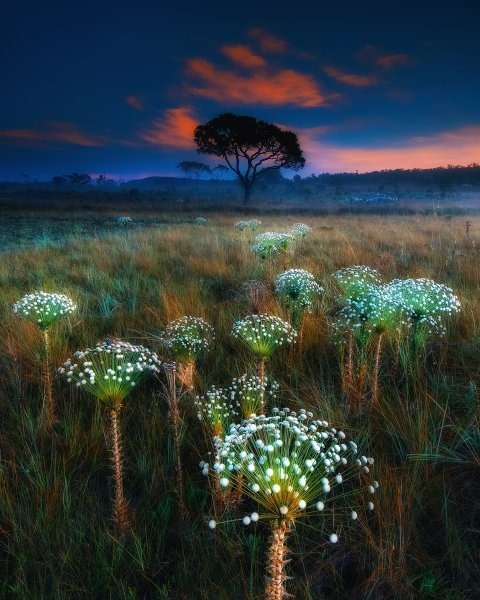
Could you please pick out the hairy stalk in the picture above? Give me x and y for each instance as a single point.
(376, 370)
(347, 378)
(48, 409)
(175, 419)
(185, 373)
(275, 588)
(120, 510)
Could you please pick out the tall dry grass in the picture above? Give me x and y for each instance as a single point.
(55, 533)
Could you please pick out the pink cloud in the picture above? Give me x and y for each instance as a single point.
(54, 132)
(174, 129)
(135, 102)
(267, 41)
(350, 78)
(271, 88)
(243, 56)
(383, 59)
(460, 146)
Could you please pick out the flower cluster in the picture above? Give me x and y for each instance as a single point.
(200, 220)
(44, 308)
(251, 393)
(217, 410)
(263, 333)
(271, 243)
(300, 230)
(187, 337)
(353, 281)
(298, 289)
(110, 370)
(252, 224)
(375, 311)
(425, 302)
(292, 465)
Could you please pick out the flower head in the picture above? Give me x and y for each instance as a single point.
(300, 230)
(44, 308)
(270, 243)
(376, 310)
(111, 370)
(353, 281)
(200, 220)
(425, 302)
(252, 224)
(297, 289)
(187, 337)
(263, 333)
(292, 465)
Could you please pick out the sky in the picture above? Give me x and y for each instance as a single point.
(118, 87)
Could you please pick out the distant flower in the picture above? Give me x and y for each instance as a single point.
(263, 333)
(200, 220)
(44, 308)
(252, 224)
(269, 244)
(300, 230)
(125, 221)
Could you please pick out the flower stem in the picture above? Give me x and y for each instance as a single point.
(175, 418)
(376, 370)
(275, 588)
(261, 375)
(48, 409)
(120, 508)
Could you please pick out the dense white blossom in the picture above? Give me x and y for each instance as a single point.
(187, 337)
(270, 243)
(263, 333)
(44, 308)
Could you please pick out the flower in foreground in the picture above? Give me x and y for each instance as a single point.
(292, 467)
(110, 372)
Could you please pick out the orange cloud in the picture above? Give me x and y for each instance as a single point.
(57, 131)
(382, 59)
(461, 146)
(270, 88)
(135, 102)
(350, 78)
(243, 56)
(267, 41)
(174, 129)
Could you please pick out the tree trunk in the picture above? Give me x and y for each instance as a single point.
(247, 191)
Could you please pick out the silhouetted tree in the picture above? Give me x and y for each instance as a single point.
(219, 172)
(249, 146)
(79, 178)
(59, 180)
(192, 167)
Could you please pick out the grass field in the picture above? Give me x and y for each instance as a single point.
(56, 532)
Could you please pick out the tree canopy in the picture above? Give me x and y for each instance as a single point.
(249, 146)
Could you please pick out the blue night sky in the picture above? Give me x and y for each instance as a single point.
(117, 88)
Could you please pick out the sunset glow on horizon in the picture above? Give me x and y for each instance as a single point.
(379, 95)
